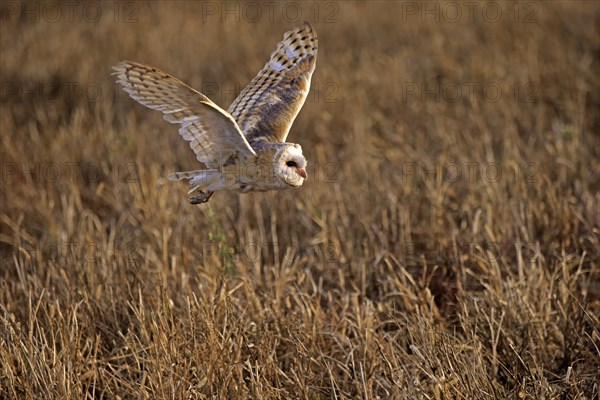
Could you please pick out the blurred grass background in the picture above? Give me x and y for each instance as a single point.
(446, 244)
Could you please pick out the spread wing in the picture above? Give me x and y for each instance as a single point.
(212, 132)
(267, 107)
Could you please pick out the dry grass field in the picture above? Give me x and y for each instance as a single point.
(445, 246)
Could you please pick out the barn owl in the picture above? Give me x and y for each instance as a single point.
(244, 148)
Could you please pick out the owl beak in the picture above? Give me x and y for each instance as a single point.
(302, 173)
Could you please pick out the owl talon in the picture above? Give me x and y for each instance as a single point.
(201, 198)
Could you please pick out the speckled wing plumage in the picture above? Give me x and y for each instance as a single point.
(213, 134)
(267, 107)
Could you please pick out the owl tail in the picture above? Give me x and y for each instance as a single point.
(200, 179)
(179, 176)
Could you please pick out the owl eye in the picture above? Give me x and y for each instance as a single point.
(291, 163)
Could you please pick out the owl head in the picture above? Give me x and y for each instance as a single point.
(290, 166)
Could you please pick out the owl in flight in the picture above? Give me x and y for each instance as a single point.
(243, 148)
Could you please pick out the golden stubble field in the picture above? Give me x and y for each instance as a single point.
(445, 246)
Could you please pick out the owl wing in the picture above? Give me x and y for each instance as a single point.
(213, 134)
(267, 107)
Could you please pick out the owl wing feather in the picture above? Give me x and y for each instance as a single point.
(213, 134)
(267, 107)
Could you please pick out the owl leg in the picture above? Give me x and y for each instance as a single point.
(202, 197)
